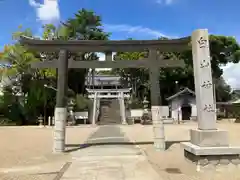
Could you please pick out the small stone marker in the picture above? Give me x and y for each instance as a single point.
(164, 111)
(49, 121)
(40, 120)
(53, 120)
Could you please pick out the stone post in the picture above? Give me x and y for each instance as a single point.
(60, 113)
(49, 121)
(157, 120)
(94, 109)
(53, 121)
(122, 108)
(40, 120)
(120, 104)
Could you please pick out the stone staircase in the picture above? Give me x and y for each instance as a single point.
(109, 112)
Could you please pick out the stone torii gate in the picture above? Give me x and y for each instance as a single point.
(207, 144)
(120, 94)
(153, 62)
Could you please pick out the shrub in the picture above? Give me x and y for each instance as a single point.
(234, 112)
(82, 103)
(135, 104)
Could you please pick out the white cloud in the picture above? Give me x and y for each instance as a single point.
(134, 29)
(165, 2)
(231, 75)
(48, 12)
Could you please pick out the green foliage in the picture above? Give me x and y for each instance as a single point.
(49, 31)
(2, 107)
(135, 104)
(106, 72)
(8, 96)
(234, 112)
(136, 76)
(35, 97)
(10, 107)
(222, 90)
(223, 50)
(22, 32)
(235, 95)
(19, 58)
(82, 103)
(86, 25)
(30, 81)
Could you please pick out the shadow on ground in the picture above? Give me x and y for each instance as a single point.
(75, 147)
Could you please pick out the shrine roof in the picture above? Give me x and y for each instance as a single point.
(184, 91)
(109, 79)
(108, 90)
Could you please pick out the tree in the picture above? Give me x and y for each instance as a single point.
(222, 90)
(223, 50)
(85, 25)
(137, 77)
(24, 79)
(106, 72)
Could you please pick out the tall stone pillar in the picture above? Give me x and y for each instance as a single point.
(206, 142)
(60, 113)
(206, 111)
(203, 81)
(157, 120)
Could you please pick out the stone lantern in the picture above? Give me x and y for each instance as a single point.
(145, 104)
(146, 113)
(71, 119)
(40, 120)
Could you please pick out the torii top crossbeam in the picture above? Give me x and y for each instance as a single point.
(173, 45)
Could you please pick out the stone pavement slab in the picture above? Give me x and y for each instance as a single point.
(45, 171)
(124, 168)
(108, 134)
(103, 161)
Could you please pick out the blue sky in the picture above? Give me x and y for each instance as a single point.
(139, 19)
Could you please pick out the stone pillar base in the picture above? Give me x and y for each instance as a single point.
(209, 138)
(207, 158)
(212, 162)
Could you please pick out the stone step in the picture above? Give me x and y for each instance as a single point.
(109, 112)
(106, 151)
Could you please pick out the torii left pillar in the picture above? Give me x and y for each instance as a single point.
(60, 113)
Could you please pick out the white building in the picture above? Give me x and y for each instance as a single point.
(182, 105)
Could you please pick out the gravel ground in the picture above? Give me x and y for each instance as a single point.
(26, 152)
(171, 164)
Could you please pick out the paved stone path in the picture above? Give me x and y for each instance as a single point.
(109, 158)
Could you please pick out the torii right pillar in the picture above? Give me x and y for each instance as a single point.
(208, 145)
